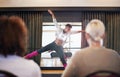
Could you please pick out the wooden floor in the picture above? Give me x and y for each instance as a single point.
(52, 71)
(52, 62)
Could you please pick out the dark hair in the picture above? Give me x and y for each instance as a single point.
(13, 36)
(68, 25)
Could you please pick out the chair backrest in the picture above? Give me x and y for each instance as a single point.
(6, 74)
(103, 74)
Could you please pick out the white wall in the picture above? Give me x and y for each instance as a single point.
(59, 3)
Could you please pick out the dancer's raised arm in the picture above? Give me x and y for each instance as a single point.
(54, 20)
(75, 32)
(52, 14)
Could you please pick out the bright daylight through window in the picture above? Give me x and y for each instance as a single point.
(72, 44)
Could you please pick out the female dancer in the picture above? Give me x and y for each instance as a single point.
(57, 44)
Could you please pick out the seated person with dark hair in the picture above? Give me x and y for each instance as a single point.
(13, 41)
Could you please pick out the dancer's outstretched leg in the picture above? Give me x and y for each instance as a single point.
(39, 51)
(60, 52)
(34, 53)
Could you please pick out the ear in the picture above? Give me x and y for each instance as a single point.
(87, 36)
(103, 36)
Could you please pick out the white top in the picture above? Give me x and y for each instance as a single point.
(59, 32)
(19, 66)
(92, 59)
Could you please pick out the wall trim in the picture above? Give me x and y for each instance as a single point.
(60, 8)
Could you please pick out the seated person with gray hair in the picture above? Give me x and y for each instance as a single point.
(95, 57)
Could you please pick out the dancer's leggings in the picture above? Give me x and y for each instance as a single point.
(57, 48)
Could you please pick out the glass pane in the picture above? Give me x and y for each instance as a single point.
(48, 34)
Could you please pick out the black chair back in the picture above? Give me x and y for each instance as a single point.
(6, 74)
(103, 74)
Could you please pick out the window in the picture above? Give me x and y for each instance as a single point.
(48, 35)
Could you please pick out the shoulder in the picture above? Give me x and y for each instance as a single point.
(80, 53)
(111, 51)
(29, 62)
(31, 66)
(35, 68)
(16, 63)
(22, 61)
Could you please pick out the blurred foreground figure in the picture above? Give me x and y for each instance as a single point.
(95, 57)
(13, 41)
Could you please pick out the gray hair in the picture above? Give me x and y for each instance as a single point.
(95, 28)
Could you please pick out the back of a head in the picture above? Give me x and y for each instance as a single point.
(13, 35)
(96, 29)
